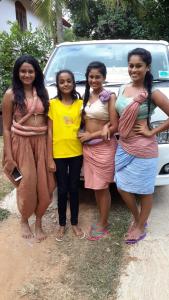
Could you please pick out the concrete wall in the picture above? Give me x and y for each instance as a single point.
(7, 13)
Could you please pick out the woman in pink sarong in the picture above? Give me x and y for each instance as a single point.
(99, 148)
(25, 108)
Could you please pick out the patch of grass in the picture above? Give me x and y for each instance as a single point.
(94, 266)
(89, 270)
(5, 185)
(30, 289)
(80, 269)
(4, 214)
(100, 268)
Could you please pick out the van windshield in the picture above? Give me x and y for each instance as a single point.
(76, 58)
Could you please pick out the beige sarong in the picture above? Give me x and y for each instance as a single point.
(34, 190)
(29, 151)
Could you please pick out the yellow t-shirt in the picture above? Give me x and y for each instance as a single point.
(66, 123)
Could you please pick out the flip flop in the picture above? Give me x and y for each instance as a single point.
(145, 226)
(97, 235)
(81, 237)
(59, 239)
(134, 241)
(95, 225)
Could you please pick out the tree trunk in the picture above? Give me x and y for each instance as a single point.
(59, 25)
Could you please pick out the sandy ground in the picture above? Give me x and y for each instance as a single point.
(146, 275)
(31, 270)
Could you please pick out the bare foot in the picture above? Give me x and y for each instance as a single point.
(135, 234)
(78, 232)
(39, 233)
(26, 231)
(60, 233)
(132, 226)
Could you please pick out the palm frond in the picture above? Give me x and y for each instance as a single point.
(84, 11)
(42, 9)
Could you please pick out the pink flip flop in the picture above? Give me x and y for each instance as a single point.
(97, 235)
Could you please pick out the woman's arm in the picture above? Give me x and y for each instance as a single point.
(51, 163)
(7, 111)
(112, 126)
(162, 102)
(86, 136)
(114, 119)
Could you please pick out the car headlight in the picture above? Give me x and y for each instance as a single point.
(162, 137)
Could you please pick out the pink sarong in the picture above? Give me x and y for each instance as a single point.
(98, 164)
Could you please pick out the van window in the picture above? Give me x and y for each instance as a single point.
(76, 57)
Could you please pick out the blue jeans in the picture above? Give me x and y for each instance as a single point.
(68, 177)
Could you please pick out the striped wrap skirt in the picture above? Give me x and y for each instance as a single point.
(98, 164)
(134, 174)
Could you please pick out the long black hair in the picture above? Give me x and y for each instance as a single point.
(93, 65)
(38, 83)
(146, 57)
(74, 94)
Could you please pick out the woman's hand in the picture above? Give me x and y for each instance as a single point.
(142, 128)
(10, 165)
(105, 133)
(51, 165)
(84, 136)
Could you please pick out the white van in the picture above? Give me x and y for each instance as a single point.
(113, 53)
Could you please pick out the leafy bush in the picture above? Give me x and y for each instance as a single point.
(18, 42)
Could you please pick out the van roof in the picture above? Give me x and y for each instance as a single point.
(115, 42)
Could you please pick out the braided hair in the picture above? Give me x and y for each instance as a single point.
(148, 80)
(102, 69)
(74, 94)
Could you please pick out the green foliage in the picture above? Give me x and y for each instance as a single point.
(18, 42)
(112, 25)
(51, 12)
(157, 23)
(114, 19)
(68, 35)
(109, 19)
(84, 28)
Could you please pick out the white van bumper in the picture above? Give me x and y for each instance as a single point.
(163, 179)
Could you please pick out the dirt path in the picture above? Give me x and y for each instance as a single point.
(31, 270)
(79, 270)
(146, 276)
(72, 270)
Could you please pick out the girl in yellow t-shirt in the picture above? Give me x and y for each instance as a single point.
(63, 125)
